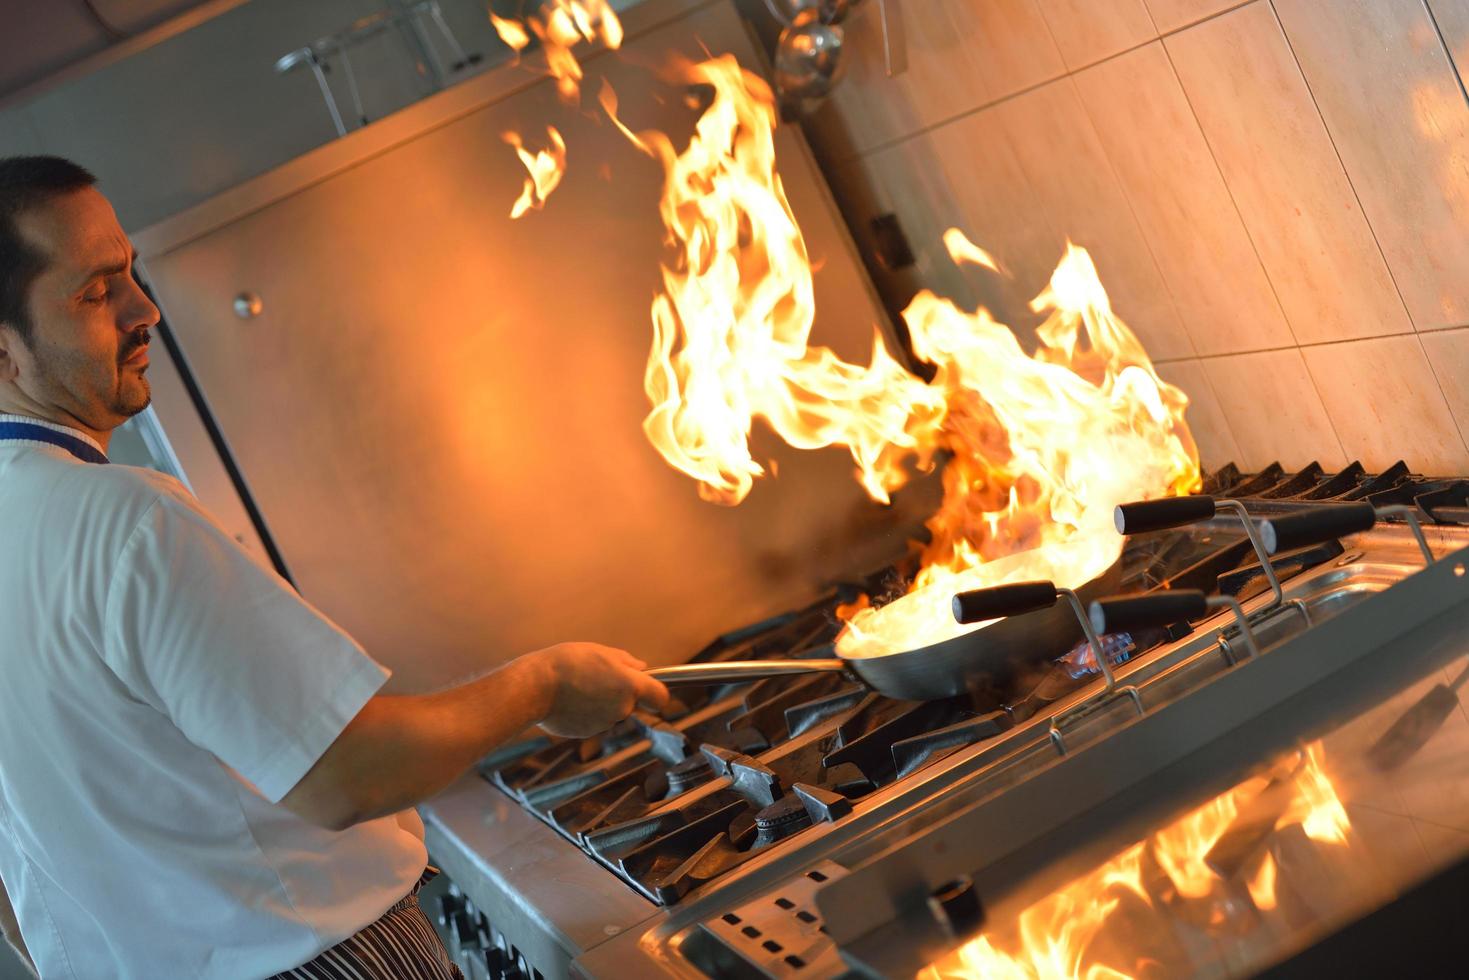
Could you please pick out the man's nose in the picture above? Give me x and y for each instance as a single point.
(140, 312)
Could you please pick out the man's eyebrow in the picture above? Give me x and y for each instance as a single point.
(109, 269)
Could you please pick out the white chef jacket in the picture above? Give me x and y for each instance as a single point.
(160, 692)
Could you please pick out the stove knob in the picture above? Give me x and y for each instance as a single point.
(450, 904)
(465, 930)
(956, 907)
(497, 961)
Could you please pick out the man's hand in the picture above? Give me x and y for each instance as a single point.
(592, 687)
(400, 750)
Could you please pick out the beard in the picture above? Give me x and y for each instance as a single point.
(133, 394)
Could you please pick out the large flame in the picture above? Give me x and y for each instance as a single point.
(1041, 446)
(1053, 936)
(561, 25)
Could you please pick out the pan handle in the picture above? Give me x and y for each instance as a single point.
(979, 605)
(1161, 514)
(735, 671)
(1123, 614)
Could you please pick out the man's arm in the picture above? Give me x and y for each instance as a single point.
(11, 928)
(400, 750)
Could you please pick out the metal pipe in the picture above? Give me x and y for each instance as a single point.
(352, 87)
(1410, 514)
(326, 93)
(1091, 636)
(1254, 535)
(1231, 603)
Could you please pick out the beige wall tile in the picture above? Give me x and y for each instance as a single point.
(1448, 353)
(1270, 143)
(906, 180)
(1205, 416)
(1145, 123)
(995, 205)
(1452, 17)
(1273, 409)
(1400, 121)
(1087, 31)
(961, 54)
(1072, 183)
(1386, 404)
(1170, 15)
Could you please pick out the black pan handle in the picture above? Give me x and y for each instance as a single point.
(978, 605)
(1161, 514)
(1315, 525)
(1124, 614)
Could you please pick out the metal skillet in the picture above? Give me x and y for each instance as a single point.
(1032, 628)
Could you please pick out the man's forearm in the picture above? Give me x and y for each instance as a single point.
(11, 929)
(401, 750)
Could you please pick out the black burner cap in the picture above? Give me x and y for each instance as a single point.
(780, 820)
(689, 773)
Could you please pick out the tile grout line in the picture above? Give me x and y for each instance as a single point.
(1311, 346)
(1239, 449)
(1448, 51)
(1224, 181)
(1132, 212)
(1458, 74)
(1433, 371)
(1316, 387)
(1244, 225)
(1336, 151)
(1453, 416)
(1066, 71)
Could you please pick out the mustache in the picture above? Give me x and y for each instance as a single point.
(135, 340)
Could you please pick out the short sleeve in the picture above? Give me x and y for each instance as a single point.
(225, 648)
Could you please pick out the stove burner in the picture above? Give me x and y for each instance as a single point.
(780, 820)
(674, 800)
(689, 773)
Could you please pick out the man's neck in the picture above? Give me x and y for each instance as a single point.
(13, 403)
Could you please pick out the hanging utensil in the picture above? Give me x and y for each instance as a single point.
(808, 58)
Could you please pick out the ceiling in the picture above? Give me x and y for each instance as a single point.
(42, 37)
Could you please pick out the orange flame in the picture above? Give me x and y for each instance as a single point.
(1262, 885)
(1042, 446)
(560, 25)
(546, 168)
(511, 32)
(1317, 809)
(1054, 934)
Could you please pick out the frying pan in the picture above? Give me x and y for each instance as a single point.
(1034, 628)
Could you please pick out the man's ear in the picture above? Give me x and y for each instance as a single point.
(9, 341)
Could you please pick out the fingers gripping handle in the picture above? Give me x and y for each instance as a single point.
(979, 605)
(1159, 515)
(1124, 614)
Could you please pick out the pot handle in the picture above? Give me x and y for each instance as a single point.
(1123, 614)
(1161, 514)
(736, 671)
(1316, 525)
(979, 605)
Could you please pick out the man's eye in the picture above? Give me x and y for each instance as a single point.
(96, 297)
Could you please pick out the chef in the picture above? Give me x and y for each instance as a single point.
(198, 774)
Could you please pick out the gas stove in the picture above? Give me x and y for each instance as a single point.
(806, 826)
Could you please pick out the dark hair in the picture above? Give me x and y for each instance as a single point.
(26, 183)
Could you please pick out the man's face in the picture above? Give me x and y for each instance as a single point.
(87, 352)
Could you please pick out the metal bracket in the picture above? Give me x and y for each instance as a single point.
(1410, 514)
(894, 37)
